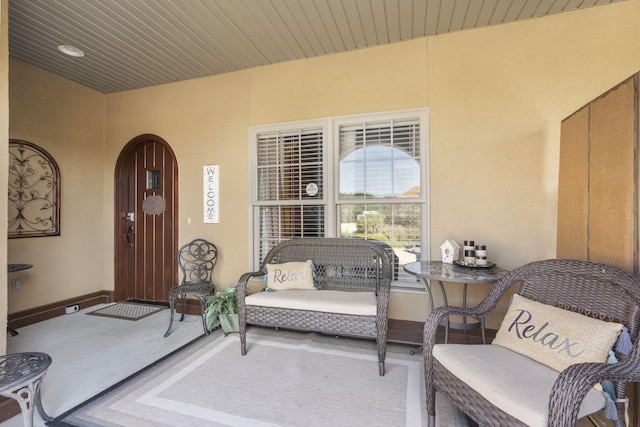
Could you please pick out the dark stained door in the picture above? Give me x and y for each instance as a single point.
(146, 218)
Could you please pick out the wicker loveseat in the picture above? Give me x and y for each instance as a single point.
(495, 386)
(352, 277)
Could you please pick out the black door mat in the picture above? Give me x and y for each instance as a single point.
(128, 310)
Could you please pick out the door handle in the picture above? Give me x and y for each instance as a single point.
(129, 233)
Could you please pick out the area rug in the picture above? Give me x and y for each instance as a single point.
(128, 310)
(280, 382)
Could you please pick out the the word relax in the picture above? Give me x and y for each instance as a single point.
(280, 276)
(549, 339)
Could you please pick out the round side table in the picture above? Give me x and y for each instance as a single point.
(441, 272)
(20, 378)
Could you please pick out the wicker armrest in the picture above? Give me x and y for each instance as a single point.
(440, 313)
(384, 289)
(574, 382)
(241, 287)
(431, 327)
(382, 299)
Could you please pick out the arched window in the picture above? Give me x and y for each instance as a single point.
(34, 191)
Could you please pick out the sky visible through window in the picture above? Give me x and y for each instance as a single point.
(379, 171)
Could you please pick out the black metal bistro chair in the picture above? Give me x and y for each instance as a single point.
(196, 259)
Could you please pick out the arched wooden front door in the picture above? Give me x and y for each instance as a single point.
(146, 220)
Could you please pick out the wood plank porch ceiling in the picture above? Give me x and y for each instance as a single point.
(131, 44)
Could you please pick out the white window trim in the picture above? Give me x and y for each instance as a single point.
(330, 127)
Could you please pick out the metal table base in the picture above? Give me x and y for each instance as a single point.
(21, 375)
(442, 272)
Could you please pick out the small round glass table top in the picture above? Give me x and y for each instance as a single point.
(437, 270)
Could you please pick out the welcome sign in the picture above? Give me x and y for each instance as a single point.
(211, 194)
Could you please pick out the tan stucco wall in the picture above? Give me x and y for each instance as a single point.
(391, 77)
(68, 121)
(4, 142)
(495, 97)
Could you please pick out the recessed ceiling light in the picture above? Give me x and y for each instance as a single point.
(71, 50)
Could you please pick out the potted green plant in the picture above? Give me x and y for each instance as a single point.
(222, 310)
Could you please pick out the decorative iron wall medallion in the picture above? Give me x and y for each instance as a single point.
(34, 191)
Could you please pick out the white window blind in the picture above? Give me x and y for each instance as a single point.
(288, 162)
(290, 186)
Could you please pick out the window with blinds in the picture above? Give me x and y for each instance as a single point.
(352, 176)
(288, 162)
(380, 184)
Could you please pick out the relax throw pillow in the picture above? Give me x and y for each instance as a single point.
(289, 275)
(553, 336)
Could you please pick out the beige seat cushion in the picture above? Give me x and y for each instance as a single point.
(514, 383)
(357, 303)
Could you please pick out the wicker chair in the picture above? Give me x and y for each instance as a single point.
(350, 265)
(597, 290)
(196, 259)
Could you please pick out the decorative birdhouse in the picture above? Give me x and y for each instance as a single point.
(450, 251)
